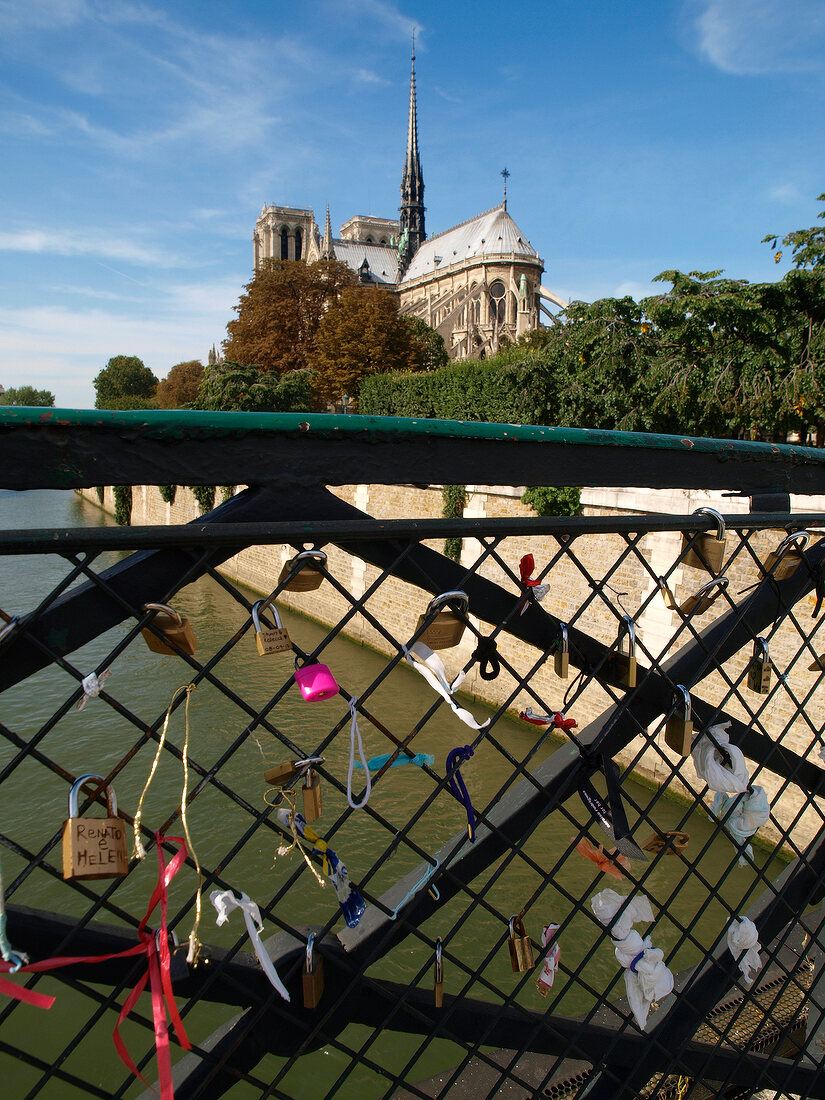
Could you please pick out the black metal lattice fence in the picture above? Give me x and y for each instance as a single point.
(431, 970)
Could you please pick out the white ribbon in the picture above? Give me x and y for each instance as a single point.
(92, 686)
(708, 762)
(544, 982)
(224, 902)
(646, 977)
(749, 812)
(355, 733)
(431, 667)
(744, 945)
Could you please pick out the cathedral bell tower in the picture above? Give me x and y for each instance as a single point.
(411, 222)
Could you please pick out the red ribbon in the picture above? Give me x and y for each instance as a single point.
(527, 567)
(557, 721)
(156, 948)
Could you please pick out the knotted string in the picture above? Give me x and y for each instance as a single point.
(457, 787)
(425, 878)
(486, 653)
(355, 735)
(92, 686)
(288, 795)
(534, 590)
(140, 851)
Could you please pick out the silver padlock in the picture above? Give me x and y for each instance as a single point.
(705, 551)
(624, 663)
(679, 726)
(268, 639)
(759, 672)
(561, 657)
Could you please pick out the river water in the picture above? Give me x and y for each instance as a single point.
(33, 807)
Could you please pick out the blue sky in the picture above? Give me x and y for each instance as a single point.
(140, 141)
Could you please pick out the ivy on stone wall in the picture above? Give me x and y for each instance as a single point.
(205, 496)
(454, 499)
(123, 504)
(227, 492)
(100, 491)
(168, 493)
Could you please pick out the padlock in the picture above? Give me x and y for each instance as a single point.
(447, 627)
(703, 551)
(94, 847)
(174, 627)
(438, 984)
(561, 657)
(268, 639)
(311, 792)
(315, 681)
(282, 773)
(302, 573)
(679, 726)
(759, 672)
(521, 947)
(625, 663)
(313, 975)
(782, 562)
(705, 598)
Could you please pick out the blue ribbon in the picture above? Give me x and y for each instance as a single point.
(420, 759)
(456, 785)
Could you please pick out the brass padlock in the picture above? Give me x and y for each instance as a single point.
(705, 598)
(561, 657)
(703, 551)
(447, 627)
(759, 672)
(270, 639)
(280, 774)
(625, 662)
(521, 947)
(313, 975)
(438, 984)
(94, 847)
(303, 572)
(679, 726)
(174, 627)
(783, 562)
(311, 792)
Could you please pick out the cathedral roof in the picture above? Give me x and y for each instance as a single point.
(493, 233)
(382, 258)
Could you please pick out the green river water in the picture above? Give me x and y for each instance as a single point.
(33, 807)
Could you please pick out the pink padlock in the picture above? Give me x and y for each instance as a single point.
(316, 682)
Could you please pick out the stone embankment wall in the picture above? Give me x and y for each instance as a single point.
(397, 605)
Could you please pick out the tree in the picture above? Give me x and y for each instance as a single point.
(180, 387)
(362, 334)
(231, 387)
(432, 352)
(27, 395)
(125, 383)
(279, 314)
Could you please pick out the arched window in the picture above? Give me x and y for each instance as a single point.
(299, 240)
(497, 302)
(284, 244)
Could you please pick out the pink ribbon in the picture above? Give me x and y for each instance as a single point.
(156, 948)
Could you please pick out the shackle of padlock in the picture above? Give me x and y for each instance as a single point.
(74, 791)
(761, 643)
(790, 542)
(448, 597)
(720, 523)
(564, 645)
(686, 702)
(310, 948)
(264, 604)
(305, 555)
(170, 611)
(627, 626)
(700, 599)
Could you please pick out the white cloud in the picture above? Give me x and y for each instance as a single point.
(387, 15)
(93, 242)
(750, 37)
(41, 14)
(787, 193)
(367, 76)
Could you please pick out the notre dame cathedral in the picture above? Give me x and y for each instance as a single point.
(477, 284)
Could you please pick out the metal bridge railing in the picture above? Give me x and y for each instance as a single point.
(616, 894)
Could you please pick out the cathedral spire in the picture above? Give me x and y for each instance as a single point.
(327, 250)
(412, 184)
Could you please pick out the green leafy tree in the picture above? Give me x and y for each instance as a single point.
(362, 334)
(27, 396)
(230, 387)
(180, 386)
(125, 383)
(430, 349)
(279, 314)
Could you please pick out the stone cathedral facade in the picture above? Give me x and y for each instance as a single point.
(477, 284)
